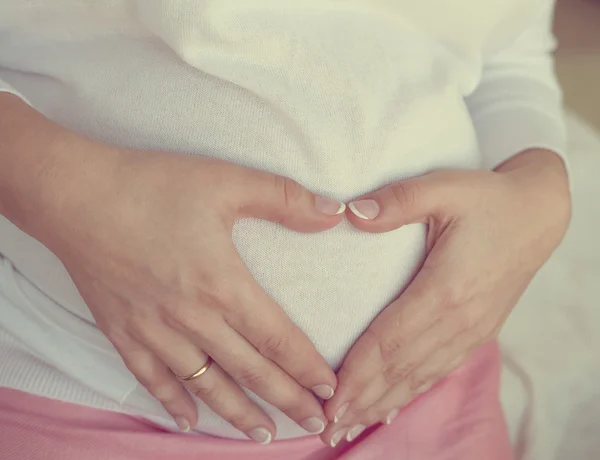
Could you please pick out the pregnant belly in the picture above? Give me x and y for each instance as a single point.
(331, 284)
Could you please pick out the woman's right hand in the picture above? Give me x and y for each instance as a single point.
(146, 236)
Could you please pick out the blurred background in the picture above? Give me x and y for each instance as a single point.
(551, 342)
(577, 26)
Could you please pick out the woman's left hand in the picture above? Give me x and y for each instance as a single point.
(488, 234)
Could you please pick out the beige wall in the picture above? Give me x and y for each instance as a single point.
(577, 27)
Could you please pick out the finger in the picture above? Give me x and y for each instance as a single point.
(410, 201)
(227, 399)
(265, 325)
(419, 366)
(253, 371)
(283, 200)
(430, 368)
(362, 363)
(396, 328)
(159, 380)
(410, 357)
(388, 407)
(357, 415)
(349, 416)
(391, 404)
(435, 368)
(214, 387)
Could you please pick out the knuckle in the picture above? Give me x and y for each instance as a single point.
(468, 321)
(419, 382)
(452, 296)
(240, 420)
(163, 391)
(214, 293)
(449, 295)
(274, 346)
(179, 315)
(221, 295)
(295, 398)
(396, 372)
(207, 393)
(289, 189)
(390, 346)
(405, 193)
(252, 378)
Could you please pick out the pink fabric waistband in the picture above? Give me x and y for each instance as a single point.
(459, 419)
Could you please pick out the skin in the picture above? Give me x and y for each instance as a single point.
(125, 224)
(488, 234)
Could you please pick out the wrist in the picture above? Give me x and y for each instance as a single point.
(45, 169)
(541, 179)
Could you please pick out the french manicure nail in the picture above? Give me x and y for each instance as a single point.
(313, 425)
(260, 435)
(424, 388)
(337, 437)
(391, 416)
(340, 413)
(365, 209)
(323, 391)
(355, 432)
(182, 424)
(328, 206)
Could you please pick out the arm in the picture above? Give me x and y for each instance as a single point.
(489, 232)
(34, 153)
(518, 103)
(112, 216)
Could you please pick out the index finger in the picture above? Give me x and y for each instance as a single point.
(417, 309)
(266, 326)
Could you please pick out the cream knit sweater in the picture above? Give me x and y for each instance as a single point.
(345, 96)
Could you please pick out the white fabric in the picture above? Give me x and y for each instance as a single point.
(551, 343)
(343, 96)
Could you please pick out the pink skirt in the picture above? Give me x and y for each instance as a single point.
(459, 419)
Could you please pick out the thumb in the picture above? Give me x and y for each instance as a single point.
(411, 201)
(283, 200)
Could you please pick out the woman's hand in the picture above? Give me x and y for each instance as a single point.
(146, 236)
(488, 234)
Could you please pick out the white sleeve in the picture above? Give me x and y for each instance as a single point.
(518, 103)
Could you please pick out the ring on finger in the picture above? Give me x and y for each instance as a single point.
(198, 373)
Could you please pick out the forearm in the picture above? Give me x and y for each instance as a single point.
(517, 104)
(42, 164)
(538, 165)
(542, 176)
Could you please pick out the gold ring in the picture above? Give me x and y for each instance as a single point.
(199, 372)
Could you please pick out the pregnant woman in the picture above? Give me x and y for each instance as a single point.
(300, 223)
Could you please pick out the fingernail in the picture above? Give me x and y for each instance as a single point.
(355, 432)
(328, 206)
(340, 413)
(365, 209)
(313, 425)
(182, 424)
(424, 388)
(323, 391)
(391, 416)
(260, 435)
(337, 437)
